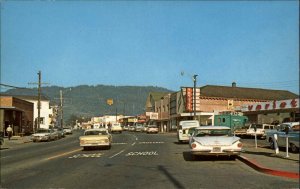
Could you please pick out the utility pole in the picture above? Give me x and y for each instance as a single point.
(39, 98)
(61, 109)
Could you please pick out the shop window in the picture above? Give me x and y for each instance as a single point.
(223, 120)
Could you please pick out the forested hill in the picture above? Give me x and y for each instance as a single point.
(90, 101)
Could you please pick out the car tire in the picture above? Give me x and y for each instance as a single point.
(271, 143)
(294, 148)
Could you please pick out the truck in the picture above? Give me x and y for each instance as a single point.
(185, 129)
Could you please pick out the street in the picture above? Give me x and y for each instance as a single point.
(136, 160)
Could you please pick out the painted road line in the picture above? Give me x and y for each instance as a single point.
(117, 143)
(86, 155)
(117, 154)
(63, 154)
(151, 142)
(133, 144)
(151, 153)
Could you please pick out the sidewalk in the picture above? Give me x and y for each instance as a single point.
(265, 160)
(15, 141)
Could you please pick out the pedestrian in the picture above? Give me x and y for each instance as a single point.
(9, 131)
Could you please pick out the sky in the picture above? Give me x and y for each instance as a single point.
(151, 43)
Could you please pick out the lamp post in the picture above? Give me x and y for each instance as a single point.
(195, 82)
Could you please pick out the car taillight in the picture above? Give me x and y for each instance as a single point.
(240, 145)
(193, 145)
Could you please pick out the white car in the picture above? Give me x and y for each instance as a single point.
(44, 135)
(95, 138)
(68, 130)
(152, 129)
(116, 127)
(214, 141)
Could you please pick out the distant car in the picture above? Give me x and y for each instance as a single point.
(68, 130)
(139, 127)
(116, 127)
(145, 128)
(261, 130)
(214, 141)
(60, 132)
(95, 138)
(43, 135)
(152, 129)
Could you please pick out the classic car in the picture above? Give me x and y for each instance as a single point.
(293, 133)
(95, 138)
(44, 135)
(152, 129)
(68, 130)
(214, 141)
(116, 127)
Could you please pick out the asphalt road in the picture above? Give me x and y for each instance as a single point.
(136, 160)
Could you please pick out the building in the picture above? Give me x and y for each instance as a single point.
(46, 111)
(18, 113)
(210, 101)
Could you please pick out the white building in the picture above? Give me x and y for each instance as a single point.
(46, 112)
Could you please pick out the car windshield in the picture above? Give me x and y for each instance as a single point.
(42, 131)
(212, 132)
(95, 133)
(258, 126)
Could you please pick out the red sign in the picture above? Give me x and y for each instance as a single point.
(189, 99)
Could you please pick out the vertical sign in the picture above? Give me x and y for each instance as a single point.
(189, 99)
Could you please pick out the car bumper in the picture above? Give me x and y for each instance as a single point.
(95, 144)
(228, 152)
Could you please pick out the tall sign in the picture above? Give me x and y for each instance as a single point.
(188, 94)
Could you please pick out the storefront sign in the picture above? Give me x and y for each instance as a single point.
(272, 105)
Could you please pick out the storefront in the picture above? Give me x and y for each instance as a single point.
(273, 112)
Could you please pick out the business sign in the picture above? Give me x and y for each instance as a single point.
(154, 116)
(272, 105)
(110, 101)
(188, 92)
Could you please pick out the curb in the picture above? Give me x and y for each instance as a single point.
(259, 168)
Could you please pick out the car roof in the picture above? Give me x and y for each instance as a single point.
(100, 129)
(212, 127)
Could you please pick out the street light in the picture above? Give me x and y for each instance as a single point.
(194, 99)
(195, 82)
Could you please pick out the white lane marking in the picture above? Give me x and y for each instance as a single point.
(151, 153)
(133, 144)
(136, 138)
(151, 142)
(86, 155)
(117, 154)
(117, 143)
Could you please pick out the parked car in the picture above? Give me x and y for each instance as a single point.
(95, 138)
(60, 132)
(138, 127)
(260, 130)
(241, 132)
(116, 127)
(185, 130)
(43, 135)
(152, 129)
(68, 130)
(293, 129)
(214, 141)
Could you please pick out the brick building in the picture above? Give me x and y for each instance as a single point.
(16, 112)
